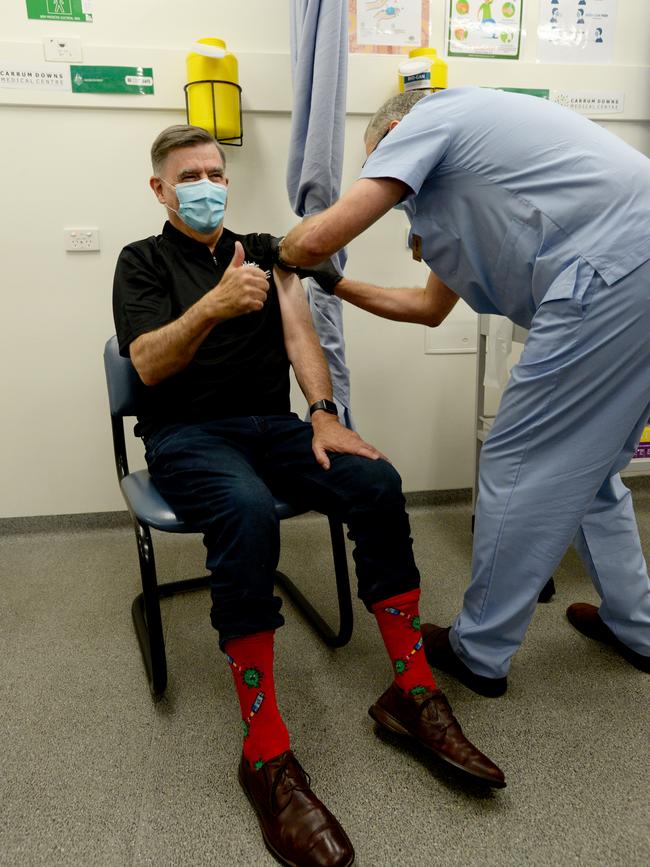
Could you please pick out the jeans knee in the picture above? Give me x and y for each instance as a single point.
(379, 485)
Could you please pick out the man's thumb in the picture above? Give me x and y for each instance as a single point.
(238, 258)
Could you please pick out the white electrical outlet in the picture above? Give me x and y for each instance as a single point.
(81, 240)
(66, 49)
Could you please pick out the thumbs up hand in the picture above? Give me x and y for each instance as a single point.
(242, 289)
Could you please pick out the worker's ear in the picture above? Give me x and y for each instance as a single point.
(392, 125)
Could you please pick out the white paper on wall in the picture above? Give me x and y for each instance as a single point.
(389, 22)
(576, 31)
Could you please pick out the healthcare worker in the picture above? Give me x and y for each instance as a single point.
(527, 210)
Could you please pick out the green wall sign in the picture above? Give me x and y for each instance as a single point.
(112, 79)
(541, 92)
(60, 10)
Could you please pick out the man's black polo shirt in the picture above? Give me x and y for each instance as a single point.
(241, 368)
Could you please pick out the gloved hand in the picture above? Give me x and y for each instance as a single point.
(325, 274)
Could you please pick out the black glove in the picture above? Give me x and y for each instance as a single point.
(325, 274)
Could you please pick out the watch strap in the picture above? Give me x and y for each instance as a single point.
(326, 405)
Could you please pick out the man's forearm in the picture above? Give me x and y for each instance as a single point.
(159, 354)
(427, 306)
(168, 350)
(309, 365)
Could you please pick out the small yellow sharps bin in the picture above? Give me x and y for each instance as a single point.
(212, 92)
(423, 70)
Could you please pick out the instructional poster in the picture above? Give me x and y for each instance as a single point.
(485, 28)
(388, 26)
(576, 31)
(61, 10)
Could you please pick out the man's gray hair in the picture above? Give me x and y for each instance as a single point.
(181, 135)
(393, 109)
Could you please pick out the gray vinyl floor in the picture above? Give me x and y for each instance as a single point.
(92, 772)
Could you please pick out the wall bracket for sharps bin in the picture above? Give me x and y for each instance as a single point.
(212, 92)
(221, 131)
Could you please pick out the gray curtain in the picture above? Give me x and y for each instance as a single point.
(319, 54)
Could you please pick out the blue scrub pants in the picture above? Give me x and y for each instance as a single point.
(569, 421)
(218, 477)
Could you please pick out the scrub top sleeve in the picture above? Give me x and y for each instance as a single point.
(409, 153)
(140, 301)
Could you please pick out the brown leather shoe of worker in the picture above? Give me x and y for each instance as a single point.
(439, 654)
(297, 828)
(427, 718)
(585, 618)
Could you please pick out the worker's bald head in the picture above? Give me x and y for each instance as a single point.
(393, 109)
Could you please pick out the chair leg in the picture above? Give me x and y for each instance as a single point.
(339, 556)
(146, 615)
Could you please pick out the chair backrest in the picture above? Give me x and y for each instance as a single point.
(124, 384)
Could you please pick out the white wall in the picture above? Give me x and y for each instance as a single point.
(66, 166)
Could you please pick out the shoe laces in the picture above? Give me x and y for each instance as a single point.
(283, 776)
(438, 702)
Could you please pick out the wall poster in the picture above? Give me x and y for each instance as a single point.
(388, 26)
(576, 31)
(489, 29)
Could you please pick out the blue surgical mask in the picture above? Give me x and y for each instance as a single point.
(201, 204)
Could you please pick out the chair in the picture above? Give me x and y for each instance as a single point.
(148, 509)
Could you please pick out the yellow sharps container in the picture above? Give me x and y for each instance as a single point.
(212, 92)
(423, 69)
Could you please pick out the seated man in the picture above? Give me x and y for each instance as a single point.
(211, 329)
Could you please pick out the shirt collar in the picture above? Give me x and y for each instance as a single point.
(180, 239)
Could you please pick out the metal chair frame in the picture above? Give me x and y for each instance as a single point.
(123, 384)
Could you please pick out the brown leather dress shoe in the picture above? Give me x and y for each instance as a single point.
(427, 718)
(298, 829)
(585, 618)
(439, 654)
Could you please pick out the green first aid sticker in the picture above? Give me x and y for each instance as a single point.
(61, 10)
(112, 79)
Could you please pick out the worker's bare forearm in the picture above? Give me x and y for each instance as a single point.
(426, 306)
(318, 237)
(160, 354)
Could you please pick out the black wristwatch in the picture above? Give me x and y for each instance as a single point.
(326, 405)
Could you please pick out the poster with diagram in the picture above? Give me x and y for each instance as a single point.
(388, 26)
(576, 31)
(485, 28)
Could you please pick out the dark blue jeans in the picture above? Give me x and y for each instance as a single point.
(219, 477)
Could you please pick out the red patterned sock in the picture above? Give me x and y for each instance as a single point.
(399, 623)
(251, 662)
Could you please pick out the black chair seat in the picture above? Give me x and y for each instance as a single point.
(151, 508)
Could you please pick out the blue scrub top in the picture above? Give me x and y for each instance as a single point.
(511, 192)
